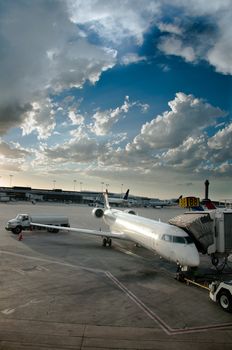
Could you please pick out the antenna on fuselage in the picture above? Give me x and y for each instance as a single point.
(106, 199)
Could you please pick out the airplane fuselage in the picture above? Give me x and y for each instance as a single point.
(168, 241)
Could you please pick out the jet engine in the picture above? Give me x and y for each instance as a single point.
(130, 211)
(98, 212)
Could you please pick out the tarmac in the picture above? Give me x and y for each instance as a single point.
(65, 291)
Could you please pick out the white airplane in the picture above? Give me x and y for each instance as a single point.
(117, 201)
(159, 203)
(170, 242)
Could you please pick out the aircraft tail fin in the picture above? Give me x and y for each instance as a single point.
(126, 194)
(106, 200)
(210, 205)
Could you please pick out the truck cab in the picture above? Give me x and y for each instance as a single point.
(17, 224)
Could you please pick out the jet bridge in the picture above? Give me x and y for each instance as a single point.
(210, 230)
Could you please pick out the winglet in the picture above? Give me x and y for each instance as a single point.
(106, 200)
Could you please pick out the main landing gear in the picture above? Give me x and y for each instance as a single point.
(106, 242)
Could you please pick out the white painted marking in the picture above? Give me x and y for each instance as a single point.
(21, 272)
(8, 311)
(152, 315)
(11, 311)
(41, 268)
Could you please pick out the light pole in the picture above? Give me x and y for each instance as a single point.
(11, 180)
(81, 186)
(121, 190)
(107, 185)
(74, 185)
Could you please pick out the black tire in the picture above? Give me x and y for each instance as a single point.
(55, 230)
(214, 260)
(104, 241)
(225, 300)
(17, 230)
(109, 242)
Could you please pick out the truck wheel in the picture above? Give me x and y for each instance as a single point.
(225, 300)
(55, 230)
(17, 230)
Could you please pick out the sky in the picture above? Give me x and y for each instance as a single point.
(118, 94)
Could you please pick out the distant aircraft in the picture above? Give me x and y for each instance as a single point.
(116, 201)
(160, 203)
(209, 204)
(170, 242)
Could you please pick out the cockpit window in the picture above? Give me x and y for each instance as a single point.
(177, 239)
(189, 240)
(167, 238)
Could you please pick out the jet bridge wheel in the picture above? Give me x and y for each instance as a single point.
(219, 263)
(106, 241)
(214, 260)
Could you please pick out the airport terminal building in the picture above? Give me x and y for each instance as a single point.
(18, 193)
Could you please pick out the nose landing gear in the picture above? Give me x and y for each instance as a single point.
(106, 241)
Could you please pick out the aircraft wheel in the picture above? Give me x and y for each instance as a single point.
(104, 242)
(225, 301)
(109, 242)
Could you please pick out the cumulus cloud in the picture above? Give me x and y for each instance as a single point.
(175, 140)
(11, 114)
(42, 52)
(132, 58)
(41, 118)
(12, 151)
(104, 120)
(221, 144)
(172, 127)
(174, 46)
(12, 156)
(82, 149)
(47, 47)
(169, 28)
(204, 33)
(180, 36)
(188, 156)
(115, 22)
(75, 118)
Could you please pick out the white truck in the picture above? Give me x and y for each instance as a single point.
(23, 222)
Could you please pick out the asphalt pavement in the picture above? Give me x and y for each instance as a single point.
(66, 291)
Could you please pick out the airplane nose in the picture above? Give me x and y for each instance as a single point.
(193, 258)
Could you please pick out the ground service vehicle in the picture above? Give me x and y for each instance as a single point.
(23, 222)
(221, 292)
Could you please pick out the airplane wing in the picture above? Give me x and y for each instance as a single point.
(118, 235)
